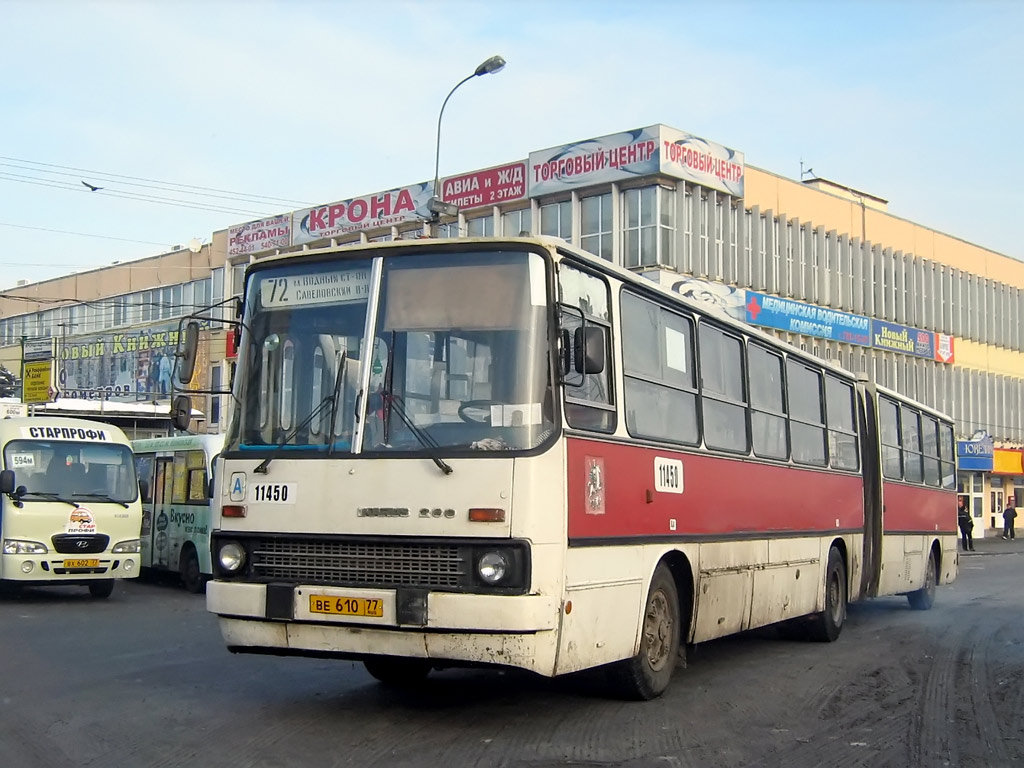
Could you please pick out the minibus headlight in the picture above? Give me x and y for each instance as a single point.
(492, 567)
(19, 547)
(124, 547)
(231, 557)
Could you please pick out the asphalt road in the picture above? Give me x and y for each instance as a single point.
(143, 679)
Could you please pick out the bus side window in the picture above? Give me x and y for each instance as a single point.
(144, 465)
(589, 400)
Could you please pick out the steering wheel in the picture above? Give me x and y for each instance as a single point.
(476, 405)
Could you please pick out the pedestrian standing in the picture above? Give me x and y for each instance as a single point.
(1009, 515)
(963, 519)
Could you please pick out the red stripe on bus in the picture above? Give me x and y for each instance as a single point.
(720, 495)
(910, 508)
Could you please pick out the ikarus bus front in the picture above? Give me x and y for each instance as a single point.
(70, 512)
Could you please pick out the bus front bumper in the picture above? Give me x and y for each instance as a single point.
(55, 569)
(510, 630)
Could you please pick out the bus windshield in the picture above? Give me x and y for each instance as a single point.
(44, 470)
(458, 361)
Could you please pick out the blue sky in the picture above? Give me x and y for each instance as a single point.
(312, 102)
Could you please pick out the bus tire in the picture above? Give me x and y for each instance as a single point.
(188, 567)
(924, 598)
(825, 627)
(398, 672)
(647, 675)
(101, 589)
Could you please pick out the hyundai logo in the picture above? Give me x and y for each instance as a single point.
(82, 544)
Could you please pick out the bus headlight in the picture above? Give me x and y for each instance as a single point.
(492, 567)
(123, 547)
(231, 557)
(19, 547)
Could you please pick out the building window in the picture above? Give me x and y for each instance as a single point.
(649, 230)
(596, 225)
(238, 278)
(482, 226)
(216, 286)
(515, 223)
(450, 229)
(556, 220)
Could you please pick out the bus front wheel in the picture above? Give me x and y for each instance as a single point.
(647, 675)
(101, 589)
(395, 671)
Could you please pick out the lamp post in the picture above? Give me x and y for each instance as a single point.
(437, 205)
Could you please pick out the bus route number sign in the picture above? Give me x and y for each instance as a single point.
(668, 475)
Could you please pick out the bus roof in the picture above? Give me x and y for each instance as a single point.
(210, 444)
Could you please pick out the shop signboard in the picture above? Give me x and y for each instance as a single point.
(357, 214)
(911, 341)
(703, 162)
(36, 382)
(975, 455)
(491, 186)
(808, 319)
(263, 235)
(604, 159)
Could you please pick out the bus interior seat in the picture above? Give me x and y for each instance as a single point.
(96, 478)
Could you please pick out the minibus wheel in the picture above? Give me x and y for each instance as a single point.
(101, 589)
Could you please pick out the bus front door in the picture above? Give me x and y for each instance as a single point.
(161, 513)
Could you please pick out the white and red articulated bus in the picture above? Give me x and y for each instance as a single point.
(509, 451)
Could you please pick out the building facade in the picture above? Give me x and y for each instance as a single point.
(819, 264)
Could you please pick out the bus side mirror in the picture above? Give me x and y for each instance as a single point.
(181, 412)
(7, 481)
(187, 353)
(144, 490)
(588, 349)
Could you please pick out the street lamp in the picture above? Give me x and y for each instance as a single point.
(437, 205)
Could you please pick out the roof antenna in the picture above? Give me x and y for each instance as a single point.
(808, 172)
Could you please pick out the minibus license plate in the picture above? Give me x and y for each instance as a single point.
(347, 606)
(81, 563)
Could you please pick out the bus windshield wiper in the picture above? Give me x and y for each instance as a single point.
(429, 444)
(393, 402)
(49, 495)
(100, 497)
(331, 399)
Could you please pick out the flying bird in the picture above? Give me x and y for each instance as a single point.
(91, 187)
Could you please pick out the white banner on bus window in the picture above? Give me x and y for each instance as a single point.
(339, 287)
(65, 433)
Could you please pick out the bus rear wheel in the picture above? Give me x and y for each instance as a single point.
(101, 589)
(825, 627)
(924, 598)
(191, 576)
(398, 672)
(647, 675)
